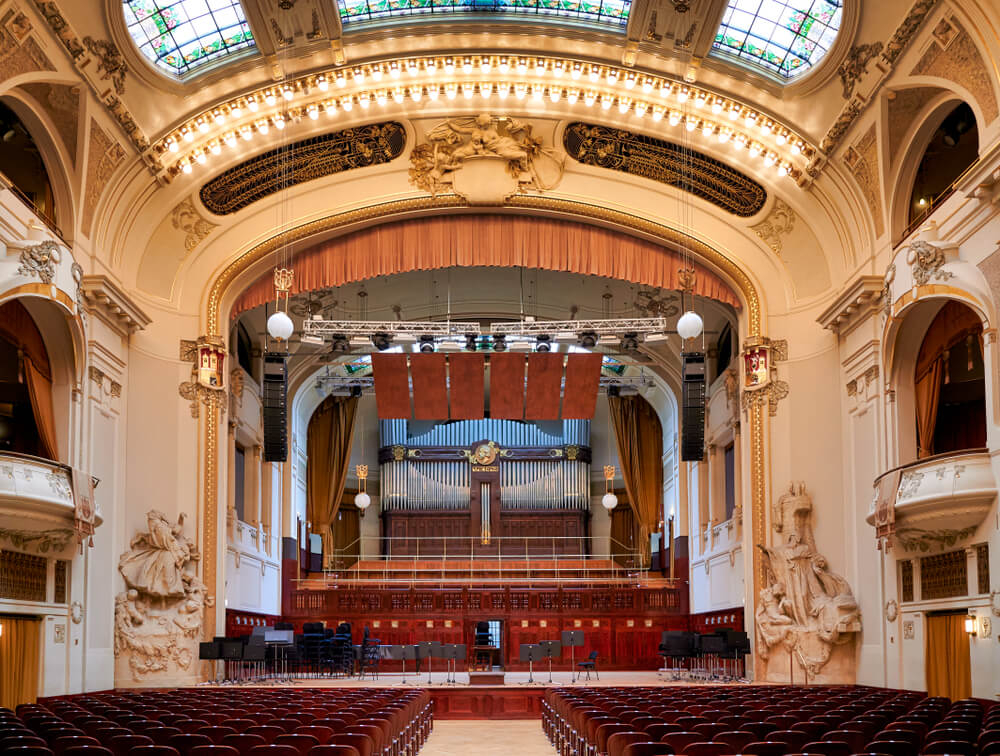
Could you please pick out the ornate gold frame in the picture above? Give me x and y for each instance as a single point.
(542, 205)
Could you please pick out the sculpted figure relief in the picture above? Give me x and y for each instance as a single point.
(804, 608)
(158, 618)
(452, 143)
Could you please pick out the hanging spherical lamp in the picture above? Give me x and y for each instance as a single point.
(690, 325)
(362, 501)
(609, 501)
(280, 326)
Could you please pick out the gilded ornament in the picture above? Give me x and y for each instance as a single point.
(855, 65)
(185, 218)
(779, 222)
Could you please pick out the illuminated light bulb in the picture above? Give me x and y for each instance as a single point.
(749, 119)
(554, 94)
(781, 138)
(707, 130)
(503, 89)
(716, 107)
(689, 325)
(539, 67)
(682, 95)
(263, 127)
(609, 501)
(173, 146)
(504, 65)
(558, 68)
(572, 96)
(323, 83)
(657, 113)
(215, 148)
(675, 118)
(522, 66)
(377, 73)
(641, 108)
(270, 99)
(433, 93)
(468, 90)
(467, 66)
(288, 93)
(647, 85)
(218, 117)
(362, 501)
(589, 98)
(358, 74)
(769, 159)
(594, 74)
(200, 157)
(412, 67)
(313, 112)
(782, 169)
(347, 104)
(279, 122)
(796, 148)
(364, 100)
(733, 113)
(430, 65)
(417, 94)
(236, 110)
(765, 126)
(537, 93)
(754, 149)
(394, 71)
(630, 81)
(724, 135)
(484, 64)
(699, 101)
(624, 105)
(449, 66)
(451, 91)
(612, 76)
(247, 133)
(280, 326)
(740, 141)
(340, 79)
(252, 105)
(230, 139)
(203, 126)
(398, 94)
(330, 108)
(186, 167)
(520, 91)
(381, 97)
(690, 124)
(576, 72)
(606, 102)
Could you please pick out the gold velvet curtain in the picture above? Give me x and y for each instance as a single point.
(622, 533)
(20, 651)
(18, 327)
(346, 531)
(948, 669)
(328, 453)
(640, 451)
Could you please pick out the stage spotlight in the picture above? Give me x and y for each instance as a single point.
(339, 343)
(499, 342)
(614, 391)
(630, 342)
(588, 339)
(381, 341)
(470, 341)
(542, 343)
(426, 344)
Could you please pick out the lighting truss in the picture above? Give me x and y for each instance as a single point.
(613, 327)
(529, 328)
(351, 328)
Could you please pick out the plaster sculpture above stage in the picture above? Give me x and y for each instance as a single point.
(485, 159)
(805, 611)
(158, 619)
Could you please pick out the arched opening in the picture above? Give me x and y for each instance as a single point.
(953, 147)
(949, 383)
(22, 164)
(27, 414)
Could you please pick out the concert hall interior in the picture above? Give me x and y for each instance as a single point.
(591, 377)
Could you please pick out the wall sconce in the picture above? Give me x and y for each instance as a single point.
(971, 626)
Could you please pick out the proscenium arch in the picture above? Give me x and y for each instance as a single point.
(221, 286)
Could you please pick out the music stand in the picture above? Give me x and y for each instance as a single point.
(531, 652)
(550, 649)
(713, 646)
(454, 652)
(572, 638)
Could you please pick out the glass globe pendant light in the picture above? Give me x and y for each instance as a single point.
(609, 501)
(279, 325)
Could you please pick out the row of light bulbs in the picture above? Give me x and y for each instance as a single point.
(482, 64)
(468, 90)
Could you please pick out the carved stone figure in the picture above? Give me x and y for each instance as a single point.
(804, 606)
(452, 143)
(158, 619)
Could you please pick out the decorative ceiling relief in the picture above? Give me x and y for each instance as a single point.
(110, 63)
(61, 102)
(19, 52)
(903, 107)
(104, 155)
(954, 56)
(303, 161)
(856, 64)
(862, 161)
(667, 163)
(779, 222)
(484, 159)
(185, 217)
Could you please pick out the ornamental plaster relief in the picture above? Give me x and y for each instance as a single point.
(104, 155)
(61, 103)
(862, 161)
(19, 52)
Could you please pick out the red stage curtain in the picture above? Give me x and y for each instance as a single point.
(544, 386)
(583, 378)
(468, 375)
(507, 386)
(392, 385)
(445, 241)
(430, 386)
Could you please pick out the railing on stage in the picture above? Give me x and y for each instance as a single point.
(505, 560)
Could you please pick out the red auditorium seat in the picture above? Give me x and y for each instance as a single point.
(334, 750)
(188, 740)
(301, 743)
(155, 750)
(736, 739)
(605, 731)
(827, 748)
(122, 745)
(618, 742)
(681, 740)
(891, 747)
(765, 749)
(214, 750)
(794, 739)
(707, 749)
(216, 733)
(708, 730)
(242, 741)
(60, 745)
(286, 724)
(273, 750)
(12, 741)
(268, 732)
(648, 749)
(87, 750)
(29, 750)
(362, 743)
(953, 747)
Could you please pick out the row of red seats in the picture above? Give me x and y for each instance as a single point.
(765, 721)
(222, 722)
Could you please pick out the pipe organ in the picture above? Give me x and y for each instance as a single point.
(481, 486)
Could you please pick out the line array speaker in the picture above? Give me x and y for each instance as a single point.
(275, 400)
(693, 407)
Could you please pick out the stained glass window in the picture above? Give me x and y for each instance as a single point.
(179, 35)
(612, 13)
(786, 38)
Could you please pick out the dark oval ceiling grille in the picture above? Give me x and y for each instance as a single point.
(667, 163)
(308, 159)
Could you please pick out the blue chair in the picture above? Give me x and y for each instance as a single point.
(589, 665)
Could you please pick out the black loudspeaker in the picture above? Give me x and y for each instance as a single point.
(693, 407)
(275, 400)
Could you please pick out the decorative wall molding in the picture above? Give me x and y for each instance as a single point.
(40, 261)
(42, 541)
(770, 395)
(199, 395)
(112, 304)
(779, 222)
(926, 260)
(99, 377)
(109, 61)
(862, 161)
(856, 64)
(104, 156)
(858, 301)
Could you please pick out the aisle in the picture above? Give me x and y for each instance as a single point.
(487, 737)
